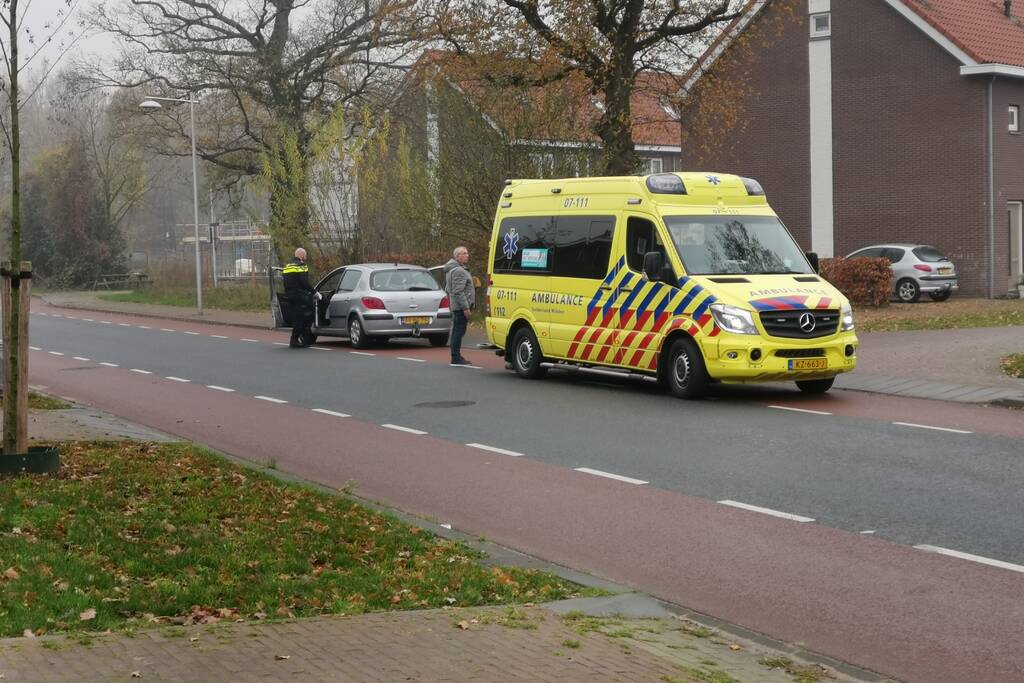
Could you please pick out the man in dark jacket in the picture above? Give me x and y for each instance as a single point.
(461, 298)
(299, 294)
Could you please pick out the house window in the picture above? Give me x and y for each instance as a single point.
(654, 165)
(1014, 118)
(821, 25)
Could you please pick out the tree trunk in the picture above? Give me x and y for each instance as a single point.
(15, 378)
(615, 127)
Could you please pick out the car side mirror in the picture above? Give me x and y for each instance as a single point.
(654, 265)
(812, 257)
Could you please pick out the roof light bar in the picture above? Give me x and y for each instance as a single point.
(754, 188)
(666, 183)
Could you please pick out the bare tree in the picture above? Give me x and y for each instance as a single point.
(276, 72)
(609, 42)
(15, 374)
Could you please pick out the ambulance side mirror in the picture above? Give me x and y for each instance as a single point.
(654, 265)
(813, 259)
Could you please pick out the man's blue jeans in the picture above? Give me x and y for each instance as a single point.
(458, 332)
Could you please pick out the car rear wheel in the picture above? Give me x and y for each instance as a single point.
(526, 356)
(357, 336)
(685, 375)
(438, 339)
(815, 386)
(940, 296)
(907, 291)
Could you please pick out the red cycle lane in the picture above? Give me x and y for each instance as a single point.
(903, 612)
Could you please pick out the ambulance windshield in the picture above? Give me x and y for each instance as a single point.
(741, 245)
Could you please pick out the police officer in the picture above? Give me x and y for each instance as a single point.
(299, 294)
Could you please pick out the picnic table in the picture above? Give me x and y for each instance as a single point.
(112, 280)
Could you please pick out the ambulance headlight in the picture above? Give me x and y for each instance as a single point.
(846, 318)
(733, 319)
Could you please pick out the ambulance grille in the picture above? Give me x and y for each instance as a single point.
(787, 323)
(800, 353)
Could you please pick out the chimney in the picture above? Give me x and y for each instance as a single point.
(1006, 7)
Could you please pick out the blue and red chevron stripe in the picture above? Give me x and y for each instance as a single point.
(790, 303)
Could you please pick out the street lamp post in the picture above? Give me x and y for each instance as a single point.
(152, 104)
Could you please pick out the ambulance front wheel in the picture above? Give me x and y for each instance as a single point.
(685, 375)
(526, 358)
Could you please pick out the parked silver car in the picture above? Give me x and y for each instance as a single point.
(371, 302)
(916, 268)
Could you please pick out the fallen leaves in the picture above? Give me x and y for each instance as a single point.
(282, 657)
(12, 574)
(88, 615)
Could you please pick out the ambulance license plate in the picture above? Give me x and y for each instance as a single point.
(415, 320)
(808, 364)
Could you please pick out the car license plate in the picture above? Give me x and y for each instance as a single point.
(415, 320)
(809, 364)
(945, 270)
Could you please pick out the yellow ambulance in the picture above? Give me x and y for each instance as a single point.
(689, 278)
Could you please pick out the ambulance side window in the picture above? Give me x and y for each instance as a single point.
(641, 237)
(583, 245)
(535, 234)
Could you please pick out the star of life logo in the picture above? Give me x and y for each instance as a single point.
(511, 244)
(713, 179)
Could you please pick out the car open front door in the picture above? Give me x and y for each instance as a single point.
(279, 307)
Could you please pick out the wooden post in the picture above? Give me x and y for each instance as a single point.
(16, 282)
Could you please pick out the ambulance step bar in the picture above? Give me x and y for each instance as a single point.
(605, 372)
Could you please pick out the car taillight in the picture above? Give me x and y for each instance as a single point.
(922, 267)
(444, 303)
(373, 302)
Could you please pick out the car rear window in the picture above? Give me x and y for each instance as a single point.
(402, 280)
(929, 254)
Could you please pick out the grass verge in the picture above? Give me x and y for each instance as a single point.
(44, 402)
(1013, 365)
(230, 297)
(953, 314)
(127, 534)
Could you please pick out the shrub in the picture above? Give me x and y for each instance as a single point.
(864, 281)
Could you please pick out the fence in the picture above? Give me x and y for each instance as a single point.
(238, 250)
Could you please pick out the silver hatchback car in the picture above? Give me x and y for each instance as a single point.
(916, 268)
(372, 302)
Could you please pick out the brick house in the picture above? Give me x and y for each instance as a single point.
(472, 135)
(881, 120)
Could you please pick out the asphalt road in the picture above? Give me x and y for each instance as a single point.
(836, 474)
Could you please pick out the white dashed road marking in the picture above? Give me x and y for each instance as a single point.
(80, 358)
(194, 334)
(939, 429)
(177, 379)
(494, 449)
(801, 410)
(166, 329)
(609, 475)
(55, 353)
(271, 399)
(767, 511)
(141, 372)
(251, 340)
(106, 322)
(35, 348)
(110, 365)
(217, 388)
(973, 558)
(362, 353)
(400, 428)
(145, 327)
(280, 344)
(123, 325)
(318, 348)
(88, 320)
(324, 411)
(414, 360)
(218, 336)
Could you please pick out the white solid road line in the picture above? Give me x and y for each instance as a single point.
(414, 360)
(801, 410)
(362, 353)
(973, 558)
(324, 411)
(938, 429)
(609, 475)
(767, 511)
(271, 399)
(217, 388)
(494, 449)
(408, 430)
(177, 379)
(55, 353)
(141, 372)
(110, 365)
(80, 358)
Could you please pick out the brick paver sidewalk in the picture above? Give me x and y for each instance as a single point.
(533, 644)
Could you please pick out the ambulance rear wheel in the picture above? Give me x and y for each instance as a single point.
(815, 386)
(526, 358)
(685, 375)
